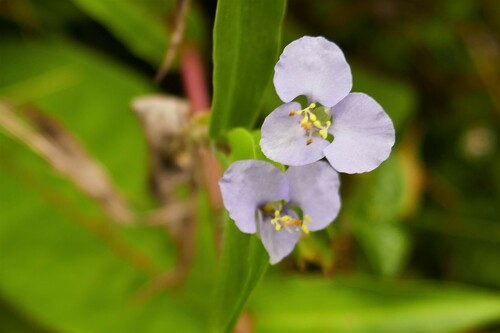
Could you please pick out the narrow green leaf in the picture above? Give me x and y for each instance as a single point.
(354, 304)
(246, 45)
(243, 263)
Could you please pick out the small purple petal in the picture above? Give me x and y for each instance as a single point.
(284, 141)
(313, 67)
(314, 188)
(247, 185)
(280, 243)
(363, 135)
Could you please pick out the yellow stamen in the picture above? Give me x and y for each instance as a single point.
(311, 123)
(290, 223)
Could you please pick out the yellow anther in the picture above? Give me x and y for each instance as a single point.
(317, 123)
(328, 123)
(312, 106)
(289, 223)
(313, 117)
(323, 133)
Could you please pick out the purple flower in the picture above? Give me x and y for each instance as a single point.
(350, 129)
(280, 206)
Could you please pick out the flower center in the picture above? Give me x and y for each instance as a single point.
(315, 121)
(284, 221)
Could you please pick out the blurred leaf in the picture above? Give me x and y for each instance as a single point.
(246, 44)
(65, 267)
(12, 321)
(469, 244)
(61, 262)
(316, 248)
(363, 305)
(89, 95)
(243, 260)
(374, 210)
(202, 273)
(144, 33)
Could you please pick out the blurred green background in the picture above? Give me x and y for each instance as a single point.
(415, 249)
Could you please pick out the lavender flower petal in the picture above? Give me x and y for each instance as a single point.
(284, 141)
(314, 67)
(246, 185)
(280, 243)
(315, 189)
(363, 135)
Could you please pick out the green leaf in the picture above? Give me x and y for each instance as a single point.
(243, 263)
(245, 145)
(89, 95)
(142, 31)
(62, 263)
(374, 209)
(242, 144)
(64, 267)
(12, 321)
(353, 304)
(246, 45)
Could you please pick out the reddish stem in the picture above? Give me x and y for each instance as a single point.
(194, 79)
(195, 86)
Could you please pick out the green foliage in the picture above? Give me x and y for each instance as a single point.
(430, 212)
(243, 263)
(142, 31)
(64, 274)
(374, 210)
(246, 46)
(56, 247)
(362, 305)
(89, 95)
